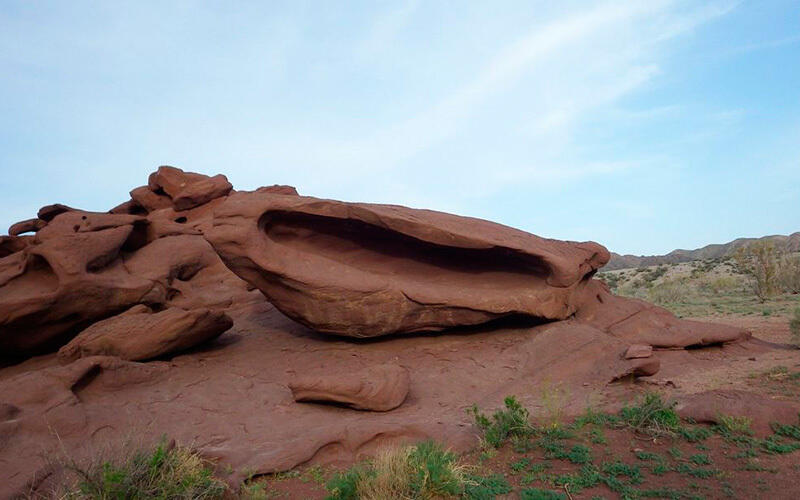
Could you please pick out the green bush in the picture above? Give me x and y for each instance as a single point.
(511, 422)
(651, 415)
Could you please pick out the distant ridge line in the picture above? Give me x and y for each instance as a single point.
(790, 243)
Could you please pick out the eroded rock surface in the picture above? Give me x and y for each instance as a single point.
(365, 270)
(355, 270)
(82, 267)
(140, 334)
(377, 388)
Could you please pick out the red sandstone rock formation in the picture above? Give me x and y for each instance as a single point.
(377, 388)
(81, 267)
(366, 270)
(345, 268)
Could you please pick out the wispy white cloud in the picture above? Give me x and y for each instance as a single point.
(560, 72)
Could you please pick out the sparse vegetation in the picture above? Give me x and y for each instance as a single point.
(511, 422)
(794, 326)
(166, 471)
(417, 472)
(709, 287)
(651, 415)
(789, 274)
(760, 262)
(564, 461)
(734, 425)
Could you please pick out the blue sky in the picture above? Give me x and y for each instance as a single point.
(645, 126)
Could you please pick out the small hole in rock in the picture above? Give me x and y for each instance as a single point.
(181, 220)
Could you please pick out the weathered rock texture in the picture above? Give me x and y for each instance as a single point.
(81, 267)
(139, 334)
(366, 270)
(143, 281)
(378, 388)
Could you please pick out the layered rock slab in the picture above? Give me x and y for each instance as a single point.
(140, 334)
(376, 388)
(366, 270)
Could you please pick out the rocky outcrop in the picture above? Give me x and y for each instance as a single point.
(82, 267)
(365, 270)
(376, 388)
(140, 334)
(638, 322)
(144, 282)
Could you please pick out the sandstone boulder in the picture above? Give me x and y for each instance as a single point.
(636, 351)
(377, 388)
(186, 189)
(366, 270)
(140, 334)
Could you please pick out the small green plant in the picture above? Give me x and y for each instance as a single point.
(729, 425)
(774, 446)
(694, 434)
(596, 436)
(791, 431)
(698, 472)
(652, 416)
(485, 488)
(511, 422)
(521, 465)
(647, 456)
(622, 469)
(579, 454)
(700, 459)
(539, 494)
(166, 471)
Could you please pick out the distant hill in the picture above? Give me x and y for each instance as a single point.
(789, 243)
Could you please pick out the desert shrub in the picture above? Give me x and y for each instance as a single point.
(789, 273)
(651, 415)
(760, 262)
(511, 422)
(668, 292)
(720, 284)
(612, 280)
(416, 472)
(653, 274)
(167, 471)
(794, 326)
